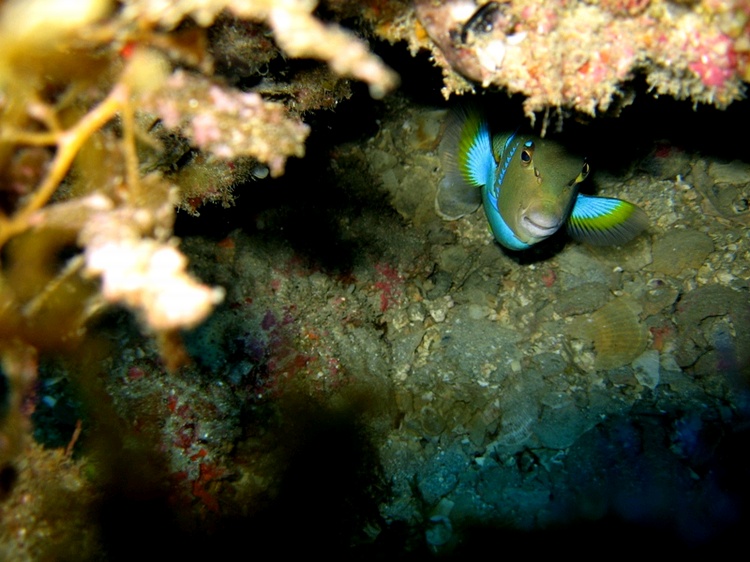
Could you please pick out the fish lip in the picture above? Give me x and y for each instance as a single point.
(539, 230)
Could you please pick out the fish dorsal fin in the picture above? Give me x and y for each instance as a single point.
(467, 162)
(605, 221)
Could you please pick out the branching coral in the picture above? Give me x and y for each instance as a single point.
(237, 123)
(101, 106)
(296, 30)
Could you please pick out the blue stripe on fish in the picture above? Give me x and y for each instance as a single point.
(500, 228)
(508, 150)
(490, 193)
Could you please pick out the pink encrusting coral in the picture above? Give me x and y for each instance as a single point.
(580, 55)
(717, 63)
(698, 61)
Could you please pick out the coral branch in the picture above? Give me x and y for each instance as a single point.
(296, 31)
(144, 274)
(300, 35)
(226, 122)
(68, 145)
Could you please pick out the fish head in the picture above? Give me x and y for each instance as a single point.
(538, 187)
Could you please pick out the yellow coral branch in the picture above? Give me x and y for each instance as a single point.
(68, 144)
(29, 138)
(131, 157)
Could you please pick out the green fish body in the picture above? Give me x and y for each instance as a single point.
(528, 186)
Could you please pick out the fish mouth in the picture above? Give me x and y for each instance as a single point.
(540, 227)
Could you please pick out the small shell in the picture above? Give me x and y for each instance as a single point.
(516, 428)
(617, 333)
(520, 414)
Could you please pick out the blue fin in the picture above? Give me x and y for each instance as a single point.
(468, 164)
(604, 221)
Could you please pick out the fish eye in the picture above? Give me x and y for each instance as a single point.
(582, 176)
(527, 153)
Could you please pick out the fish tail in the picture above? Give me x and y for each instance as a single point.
(467, 162)
(604, 221)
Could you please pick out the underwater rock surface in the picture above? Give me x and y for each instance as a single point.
(379, 382)
(423, 389)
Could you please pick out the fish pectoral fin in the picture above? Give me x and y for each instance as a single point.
(605, 221)
(467, 163)
(456, 198)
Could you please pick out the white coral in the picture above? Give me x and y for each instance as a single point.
(151, 278)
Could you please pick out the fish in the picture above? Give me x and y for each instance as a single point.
(528, 185)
